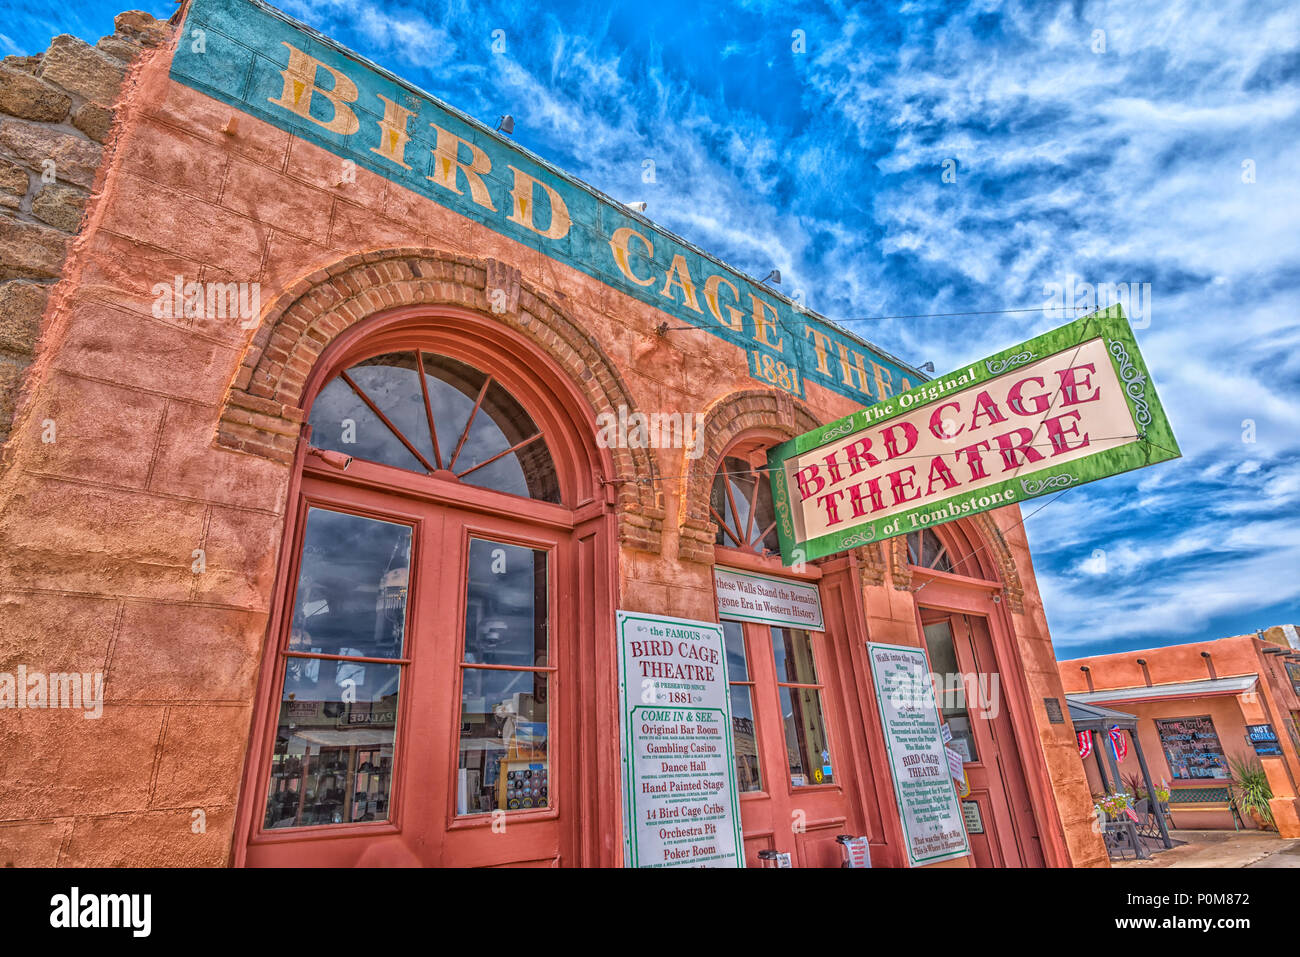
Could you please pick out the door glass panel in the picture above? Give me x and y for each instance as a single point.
(504, 730)
(333, 757)
(332, 761)
(742, 709)
(505, 615)
(352, 587)
(503, 742)
(950, 689)
(806, 742)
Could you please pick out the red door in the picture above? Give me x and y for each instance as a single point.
(791, 766)
(416, 686)
(974, 706)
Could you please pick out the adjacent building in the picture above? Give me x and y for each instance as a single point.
(1200, 707)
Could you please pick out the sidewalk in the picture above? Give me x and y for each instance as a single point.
(1227, 849)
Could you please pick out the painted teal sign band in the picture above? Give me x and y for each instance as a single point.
(261, 62)
(948, 444)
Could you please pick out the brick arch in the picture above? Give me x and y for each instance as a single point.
(764, 411)
(994, 557)
(263, 411)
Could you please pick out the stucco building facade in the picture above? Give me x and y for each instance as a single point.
(283, 260)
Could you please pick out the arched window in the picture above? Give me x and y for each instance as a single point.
(434, 414)
(741, 504)
(925, 549)
(413, 690)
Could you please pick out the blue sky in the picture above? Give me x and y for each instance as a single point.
(1118, 156)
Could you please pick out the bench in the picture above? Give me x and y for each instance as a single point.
(1215, 797)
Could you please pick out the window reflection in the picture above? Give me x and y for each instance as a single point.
(742, 708)
(424, 413)
(333, 757)
(352, 587)
(504, 729)
(806, 741)
(332, 761)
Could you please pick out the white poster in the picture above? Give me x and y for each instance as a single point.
(927, 802)
(680, 805)
(749, 596)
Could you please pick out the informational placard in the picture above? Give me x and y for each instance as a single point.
(680, 802)
(857, 851)
(970, 812)
(749, 596)
(1070, 406)
(927, 801)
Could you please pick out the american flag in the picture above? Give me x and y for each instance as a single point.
(1118, 743)
(1085, 743)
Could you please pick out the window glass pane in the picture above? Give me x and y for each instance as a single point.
(794, 656)
(1191, 747)
(742, 489)
(805, 737)
(500, 423)
(950, 689)
(352, 583)
(503, 742)
(341, 422)
(733, 634)
(333, 758)
(744, 740)
(392, 383)
(506, 612)
(741, 477)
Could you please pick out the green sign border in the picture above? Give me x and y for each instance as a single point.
(1155, 442)
(898, 794)
(631, 852)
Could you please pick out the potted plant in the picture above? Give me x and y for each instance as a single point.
(1251, 791)
(1114, 803)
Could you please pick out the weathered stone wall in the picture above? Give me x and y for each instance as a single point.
(56, 115)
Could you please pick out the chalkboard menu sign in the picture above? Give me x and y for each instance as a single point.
(1192, 747)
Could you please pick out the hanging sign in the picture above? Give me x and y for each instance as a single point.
(1264, 739)
(749, 596)
(927, 802)
(680, 802)
(1068, 407)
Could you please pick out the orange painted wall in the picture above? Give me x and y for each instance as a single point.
(1273, 702)
(99, 528)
